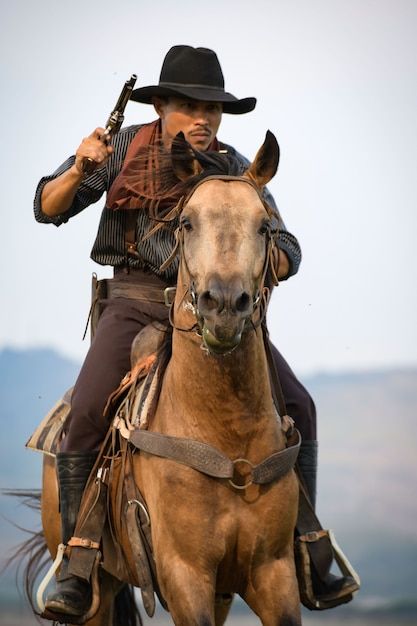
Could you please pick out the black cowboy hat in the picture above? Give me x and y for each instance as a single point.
(194, 73)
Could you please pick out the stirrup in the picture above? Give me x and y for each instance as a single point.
(62, 618)
(308, 595)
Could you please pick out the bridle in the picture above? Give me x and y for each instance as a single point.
(260, 298)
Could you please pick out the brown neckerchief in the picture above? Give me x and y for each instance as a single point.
(137, 183)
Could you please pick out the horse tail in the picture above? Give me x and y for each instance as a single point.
(32, 556)
(126, 612)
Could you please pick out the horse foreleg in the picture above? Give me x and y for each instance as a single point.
(189, 594)
(273, 594)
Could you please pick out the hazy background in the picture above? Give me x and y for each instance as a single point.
(335, 81)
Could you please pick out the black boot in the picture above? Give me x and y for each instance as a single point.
(72, 595)
(326, 585)
(307, 462)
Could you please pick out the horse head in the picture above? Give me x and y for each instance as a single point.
(226, 232)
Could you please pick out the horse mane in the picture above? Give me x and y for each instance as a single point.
(159, 189)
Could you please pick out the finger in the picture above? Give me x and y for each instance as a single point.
(97, 133)
(93, 148)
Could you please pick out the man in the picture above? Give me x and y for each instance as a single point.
(191, 98)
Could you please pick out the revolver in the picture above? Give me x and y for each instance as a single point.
(114, 122)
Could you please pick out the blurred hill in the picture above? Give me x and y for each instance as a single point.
(368, 462)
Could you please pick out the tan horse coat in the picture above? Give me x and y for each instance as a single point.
(207, 536)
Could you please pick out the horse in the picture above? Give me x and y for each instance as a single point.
(216, 537)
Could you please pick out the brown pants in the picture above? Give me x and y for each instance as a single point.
(108, 360)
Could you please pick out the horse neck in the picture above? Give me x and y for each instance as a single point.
(219, 398)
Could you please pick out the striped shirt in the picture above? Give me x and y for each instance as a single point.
(109, 246)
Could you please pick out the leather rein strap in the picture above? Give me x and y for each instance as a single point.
(211, 461)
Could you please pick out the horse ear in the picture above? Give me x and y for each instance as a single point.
(265, 164)
(183, 159)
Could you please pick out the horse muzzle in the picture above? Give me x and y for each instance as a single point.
(222, 312)
(219, 342)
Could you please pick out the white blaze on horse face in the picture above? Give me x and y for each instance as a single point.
(222, 238)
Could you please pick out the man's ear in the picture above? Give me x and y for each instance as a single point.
(159, 106)
(265, 164)
(183, 159)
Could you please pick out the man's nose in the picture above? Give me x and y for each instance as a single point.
(201, 116)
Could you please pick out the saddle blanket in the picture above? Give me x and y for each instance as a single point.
(137, 393)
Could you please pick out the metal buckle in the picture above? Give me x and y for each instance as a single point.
(250, 481)
(102, 473)
(312, 536)
(167, 295)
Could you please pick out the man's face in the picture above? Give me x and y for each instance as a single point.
(199, 121)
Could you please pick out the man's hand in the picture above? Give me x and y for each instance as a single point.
(92, 147)
(58, 194)
(284, 265)
(280, 262)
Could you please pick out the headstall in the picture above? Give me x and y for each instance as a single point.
(261, 297)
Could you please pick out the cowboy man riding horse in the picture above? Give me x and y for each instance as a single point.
(190, 98)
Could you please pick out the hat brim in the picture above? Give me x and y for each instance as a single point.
(231, 104)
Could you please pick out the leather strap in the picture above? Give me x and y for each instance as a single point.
(121, 289)
(276, 388)
(91, 517)
(131, 244)
(81, 542)
(310, 530)
(211, 461)
(137, 539)
(91, 528)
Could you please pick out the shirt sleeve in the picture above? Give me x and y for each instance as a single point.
(92, 187)
(90, 190)
(286, 241)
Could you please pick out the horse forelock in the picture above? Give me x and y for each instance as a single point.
(168, 185)
(212, 166)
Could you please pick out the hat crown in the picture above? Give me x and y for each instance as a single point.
(185, 65)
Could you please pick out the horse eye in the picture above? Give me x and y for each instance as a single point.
(186, 224)
(264, 228)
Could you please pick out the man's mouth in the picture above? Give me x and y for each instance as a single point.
(200, 133)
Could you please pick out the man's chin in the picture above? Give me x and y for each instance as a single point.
(200, 144)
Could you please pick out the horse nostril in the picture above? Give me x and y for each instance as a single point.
(209, 301)
(242, 302)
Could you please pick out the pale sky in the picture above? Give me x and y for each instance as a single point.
(336, 81)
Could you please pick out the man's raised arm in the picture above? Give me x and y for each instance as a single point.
(58, 194)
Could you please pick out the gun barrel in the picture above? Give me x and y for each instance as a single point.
(125, 94)
(114, 122)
